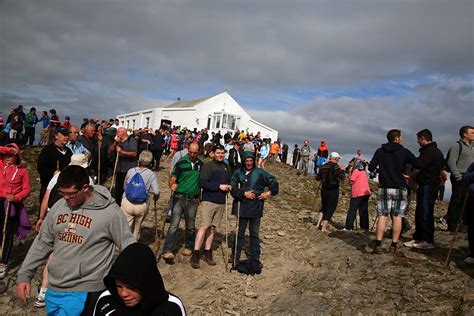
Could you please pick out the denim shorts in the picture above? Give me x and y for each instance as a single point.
(391, 202)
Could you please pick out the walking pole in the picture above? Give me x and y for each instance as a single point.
(226, 236)
(456, 231)
(113, 174)
(234, 263)
(7, 213)
(99, 140)
(157, 243)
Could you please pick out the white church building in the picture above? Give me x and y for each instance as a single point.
(217, 113)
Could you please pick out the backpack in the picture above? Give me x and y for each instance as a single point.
(136, 191)
(446, 166)
(54, 196)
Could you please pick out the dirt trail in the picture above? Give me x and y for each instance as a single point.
(306, 271)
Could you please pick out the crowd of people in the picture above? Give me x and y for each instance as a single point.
(81, 223)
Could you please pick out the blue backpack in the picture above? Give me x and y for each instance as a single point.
(136, 191)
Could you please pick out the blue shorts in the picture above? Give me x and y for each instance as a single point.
(65, 303)
(391, 202)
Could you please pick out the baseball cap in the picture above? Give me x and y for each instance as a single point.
(79, 160)
(67, 118)
(63, 131)
(334, 155)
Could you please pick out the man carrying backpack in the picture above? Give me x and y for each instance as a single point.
(458, 160)
(330, 174)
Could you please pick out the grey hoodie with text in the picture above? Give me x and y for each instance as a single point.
(82, 240)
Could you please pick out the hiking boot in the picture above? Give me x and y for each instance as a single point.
(410, 244)
(469, 260)
(392, 250)
(168, 257)
(208, 257)
(423, 245)
(187, 252)
(3, 270)
(40, 302)
(195, 259)
(377, 250)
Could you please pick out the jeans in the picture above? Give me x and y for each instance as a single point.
(424, 221)
(254, 229)
(187, 207)
(119, 182)
(360, 203)
(459, 192)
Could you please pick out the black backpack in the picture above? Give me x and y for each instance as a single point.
(446, 166)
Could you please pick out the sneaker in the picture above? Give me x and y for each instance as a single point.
(3, 270)
(168, 257)
(377, 250)
(469, 260)
(423, 245)
(187, 252)
(410, 244)
(40, 303)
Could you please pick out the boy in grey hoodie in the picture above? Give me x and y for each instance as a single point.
(82, 229)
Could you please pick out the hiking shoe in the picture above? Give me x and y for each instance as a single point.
(168, 257)
(208, 258)
(187, 252)
(3, 270)
(469, 260)
(377, 250)
(423, 245)
(392, 250)
(195, 259)
(410, 244)
(40, 303)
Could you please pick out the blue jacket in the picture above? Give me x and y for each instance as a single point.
(256, 180)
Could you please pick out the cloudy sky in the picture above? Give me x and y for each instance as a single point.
(345, 71)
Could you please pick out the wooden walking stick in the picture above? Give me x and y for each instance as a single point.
(99, 141)
(4, 232)
(113, 174)
(234, 263)
(157, 244)
(226, 233)
(456, 231)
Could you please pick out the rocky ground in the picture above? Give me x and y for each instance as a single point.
(306, 271)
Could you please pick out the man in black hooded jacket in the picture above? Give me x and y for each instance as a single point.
(135, 287)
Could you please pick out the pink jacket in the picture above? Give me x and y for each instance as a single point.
(360, 183)
(14, 179)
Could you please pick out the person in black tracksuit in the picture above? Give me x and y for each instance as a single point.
(329, 174)
(427, 177)
(235, 160)
(157, 149)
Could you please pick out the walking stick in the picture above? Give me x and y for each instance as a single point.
(113, 174)
(226, 237)
(99, 140)
(456, 232)
(234, 263)
(4, 232)
(157, 244)
(375, 221)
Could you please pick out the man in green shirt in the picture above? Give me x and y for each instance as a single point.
(184, 182)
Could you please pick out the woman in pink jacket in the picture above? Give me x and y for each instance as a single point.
(360, 194)
(14, 189)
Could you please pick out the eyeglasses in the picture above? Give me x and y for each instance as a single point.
(68, 194)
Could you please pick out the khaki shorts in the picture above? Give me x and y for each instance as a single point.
(211, 214)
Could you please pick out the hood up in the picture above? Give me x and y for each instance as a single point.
(136, 267)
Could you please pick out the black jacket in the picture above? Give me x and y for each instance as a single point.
(391, 159)
(431, 161)
(136, 267)
(213, 174)
(234, 158)
(48, 161)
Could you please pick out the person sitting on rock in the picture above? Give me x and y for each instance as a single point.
(248, 189)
